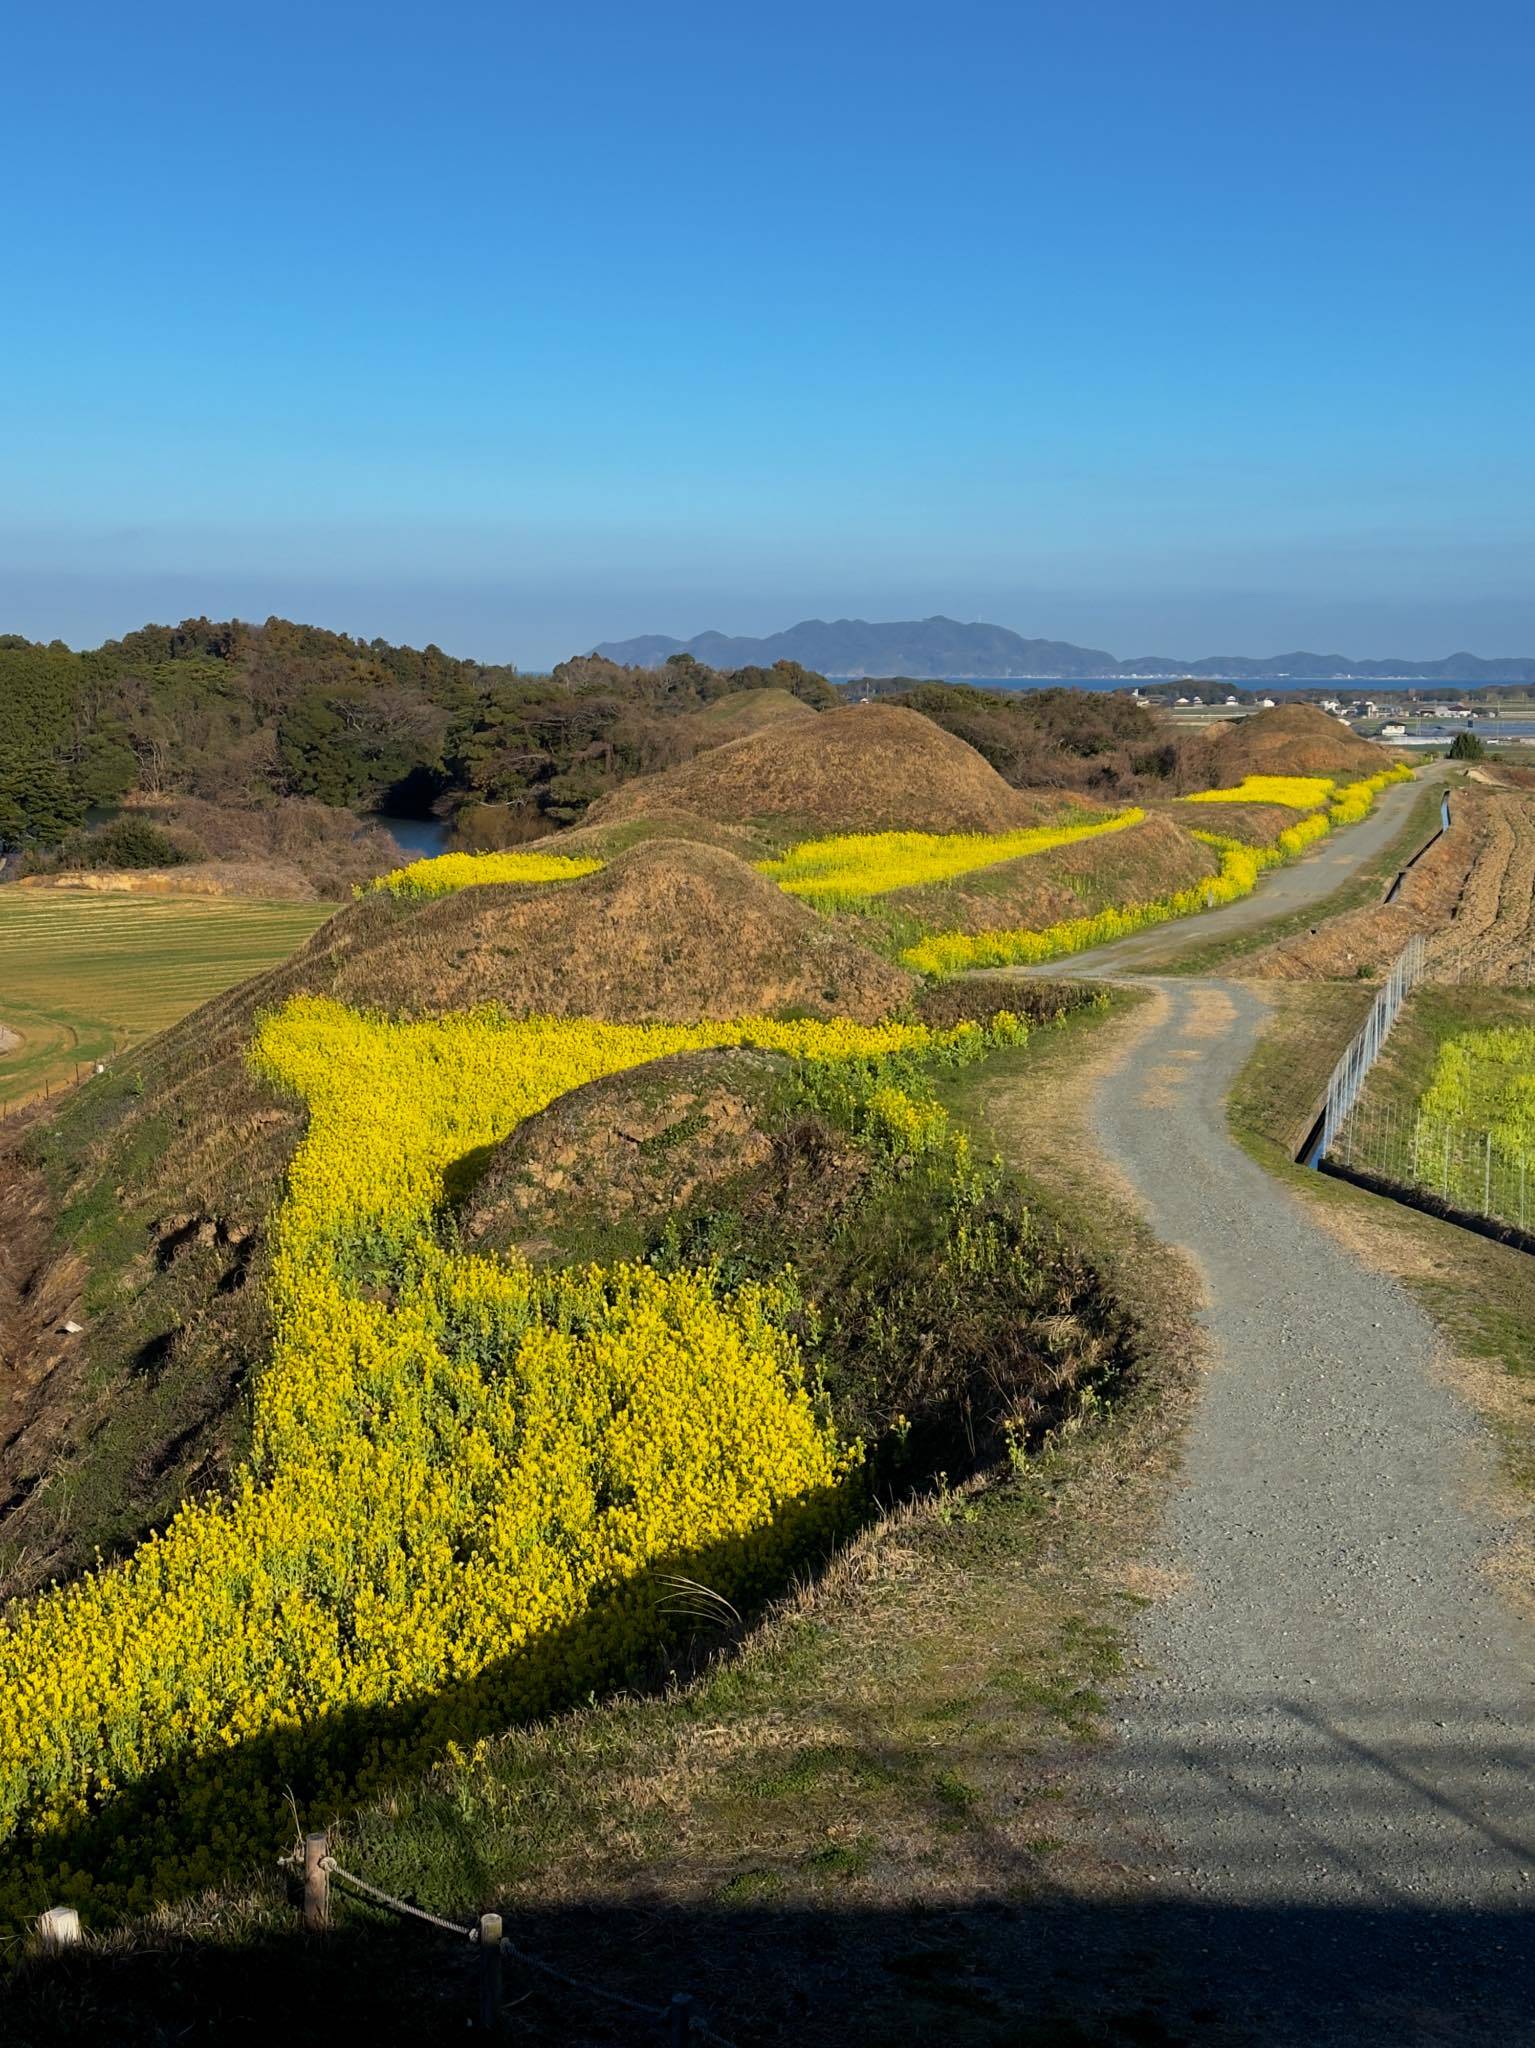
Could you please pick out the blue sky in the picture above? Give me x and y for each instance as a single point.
(1180, 328)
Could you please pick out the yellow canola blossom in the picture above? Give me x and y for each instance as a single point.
(458, 1480)
(1293, 792)
(447, 872)
(851, 866)
(1486, 1079)
(947, 953)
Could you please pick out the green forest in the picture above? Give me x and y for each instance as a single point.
(241, 715)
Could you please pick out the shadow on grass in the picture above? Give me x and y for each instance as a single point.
(1017, 1964)
(991, 1974)
(203, 1819)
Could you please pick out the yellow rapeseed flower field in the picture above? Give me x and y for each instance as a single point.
(1486, 1079)
(461, 1470)
(1240, 866)
(850, 866)
(1292, 792)
(443, 873)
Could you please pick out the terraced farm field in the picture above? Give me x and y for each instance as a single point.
(83, 977)
(1490, 934)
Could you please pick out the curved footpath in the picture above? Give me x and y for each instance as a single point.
(1279, 893)
(1324, 1786)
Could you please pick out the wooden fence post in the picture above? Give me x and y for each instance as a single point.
(490, 1972)
(680, 2019)
(59, 1928)
(316, 1882)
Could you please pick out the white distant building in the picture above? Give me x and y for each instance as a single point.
(1267, 703)
(1331, 704)
(1229, 700)
(1393, 732)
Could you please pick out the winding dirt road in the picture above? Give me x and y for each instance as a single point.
(1324, 1779)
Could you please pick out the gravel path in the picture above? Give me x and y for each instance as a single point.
(1332, 1739)
(1278, 894)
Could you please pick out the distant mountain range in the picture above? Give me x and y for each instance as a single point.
(937, 647)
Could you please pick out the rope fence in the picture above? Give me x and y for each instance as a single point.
(320, 1869)
(59, 1929)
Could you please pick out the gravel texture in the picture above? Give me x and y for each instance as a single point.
(1326, 1772)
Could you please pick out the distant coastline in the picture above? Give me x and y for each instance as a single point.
(941, 649)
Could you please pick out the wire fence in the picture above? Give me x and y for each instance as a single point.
(57, 1084)
(1462, 1166)
(1348, 1075)
(1454, 965)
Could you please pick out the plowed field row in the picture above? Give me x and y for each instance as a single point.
(1489, 935)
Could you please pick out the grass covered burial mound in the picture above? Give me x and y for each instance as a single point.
(1296, 739)
(867, 768)
(670, 930)
(167, 1170)
(1152, 859)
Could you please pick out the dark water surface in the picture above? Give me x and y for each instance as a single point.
(417, 838)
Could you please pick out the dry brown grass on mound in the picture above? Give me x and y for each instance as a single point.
(742, 712)
(1134, 866)
(665, 821)
(623, 1151)
(1255, 824)
(864, 768)
(1293, 739)
(669, 930)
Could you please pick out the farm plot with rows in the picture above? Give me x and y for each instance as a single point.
(86, 976)
(1488, 931)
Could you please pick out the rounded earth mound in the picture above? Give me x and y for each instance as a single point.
(670, 930)
(865, 768)
(1293, 739)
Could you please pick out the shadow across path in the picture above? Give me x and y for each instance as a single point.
(996, 1975)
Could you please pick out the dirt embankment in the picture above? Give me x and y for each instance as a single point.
(267, 880)
(1472, 895)
(40, 1291)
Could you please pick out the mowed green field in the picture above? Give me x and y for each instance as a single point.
(83, 976)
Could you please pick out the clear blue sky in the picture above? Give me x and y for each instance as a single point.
(1181, 327)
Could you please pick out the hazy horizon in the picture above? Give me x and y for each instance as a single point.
(477, 624)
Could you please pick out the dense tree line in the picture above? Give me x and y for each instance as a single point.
(1094, 741)
(237, 714)
(60, 752)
